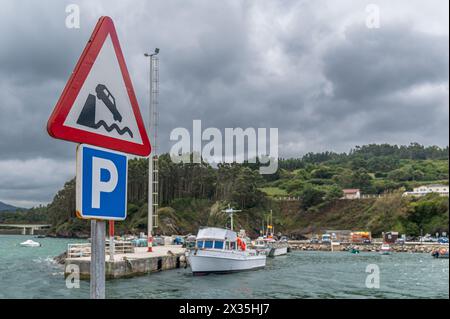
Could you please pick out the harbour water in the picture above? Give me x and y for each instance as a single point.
(32, 273)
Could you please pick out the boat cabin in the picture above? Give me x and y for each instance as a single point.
(217, 238)
(263, 241)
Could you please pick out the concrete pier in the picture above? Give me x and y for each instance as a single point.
(138, 263)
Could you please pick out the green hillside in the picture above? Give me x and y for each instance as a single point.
(193, 195)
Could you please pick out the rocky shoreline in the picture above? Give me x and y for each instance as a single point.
(375, 247)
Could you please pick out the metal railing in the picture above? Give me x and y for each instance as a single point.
(78, 250)
(84, 250)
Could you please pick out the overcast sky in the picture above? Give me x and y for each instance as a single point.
(312, 69)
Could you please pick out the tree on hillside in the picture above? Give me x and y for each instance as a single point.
(245, 188)
(362, 180)
(429, 214)
(311, 196)
(334, 192)
(62, 207)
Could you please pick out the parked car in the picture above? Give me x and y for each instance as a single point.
(367, 241)
(158, 241)
(326, 238)
(314, 241)
(443, 240)
(400, 241)
(427, 239)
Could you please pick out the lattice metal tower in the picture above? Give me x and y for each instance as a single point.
(153, 172)
(154, 125)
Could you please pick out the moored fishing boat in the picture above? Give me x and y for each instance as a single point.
(385, 249)
(220, 250)
(268, 244)
(278, 249)
(261, 245)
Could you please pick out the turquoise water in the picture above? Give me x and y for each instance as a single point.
(31, 273)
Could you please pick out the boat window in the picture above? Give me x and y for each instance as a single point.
(200, 244)
(218, 244)
(208, 243)
(233, 245)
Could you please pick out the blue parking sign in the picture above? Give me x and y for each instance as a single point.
(101, 183)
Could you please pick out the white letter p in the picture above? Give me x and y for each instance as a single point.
(99, 186)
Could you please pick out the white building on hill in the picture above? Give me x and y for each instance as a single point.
(352, 193)
(427, 189)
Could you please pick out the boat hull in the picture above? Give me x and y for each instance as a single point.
(30, 243)
(278, 251)
(206, 262)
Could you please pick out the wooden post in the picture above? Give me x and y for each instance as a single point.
(97, 284)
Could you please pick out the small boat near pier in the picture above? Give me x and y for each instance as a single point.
(385, 249)
(220, 250)
(268, 244)
(30, 243)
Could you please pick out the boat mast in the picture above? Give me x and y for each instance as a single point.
(230, 212)
(262, 231)
(271, 222)
(269, 225)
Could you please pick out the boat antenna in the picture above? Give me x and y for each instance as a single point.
(230, 211)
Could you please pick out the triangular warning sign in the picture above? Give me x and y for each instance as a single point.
(98, 105)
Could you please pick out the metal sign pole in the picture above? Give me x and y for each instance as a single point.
(97, 284)
(150, 169)
(111, 240)
(99, 150)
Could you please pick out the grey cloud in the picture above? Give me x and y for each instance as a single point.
(230, 64)
(372, 62)
(37, 46)
(33, 180)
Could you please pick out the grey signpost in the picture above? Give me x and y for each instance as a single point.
(97, 266)
(100, 137)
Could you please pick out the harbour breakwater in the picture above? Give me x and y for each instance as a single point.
(127, 265)
(374, 247)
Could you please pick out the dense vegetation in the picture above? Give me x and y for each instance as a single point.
(192, 195)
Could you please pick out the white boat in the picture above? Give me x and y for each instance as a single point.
(219, 250)
(385, 249)
(270, 246)
(278, 249)
(30, 243)
(260, 245)
(267, 243)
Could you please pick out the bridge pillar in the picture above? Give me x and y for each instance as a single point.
(24, 231)
(32, 231)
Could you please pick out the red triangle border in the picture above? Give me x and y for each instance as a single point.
(55, 125)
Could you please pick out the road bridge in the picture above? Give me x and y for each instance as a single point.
(24, 227)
